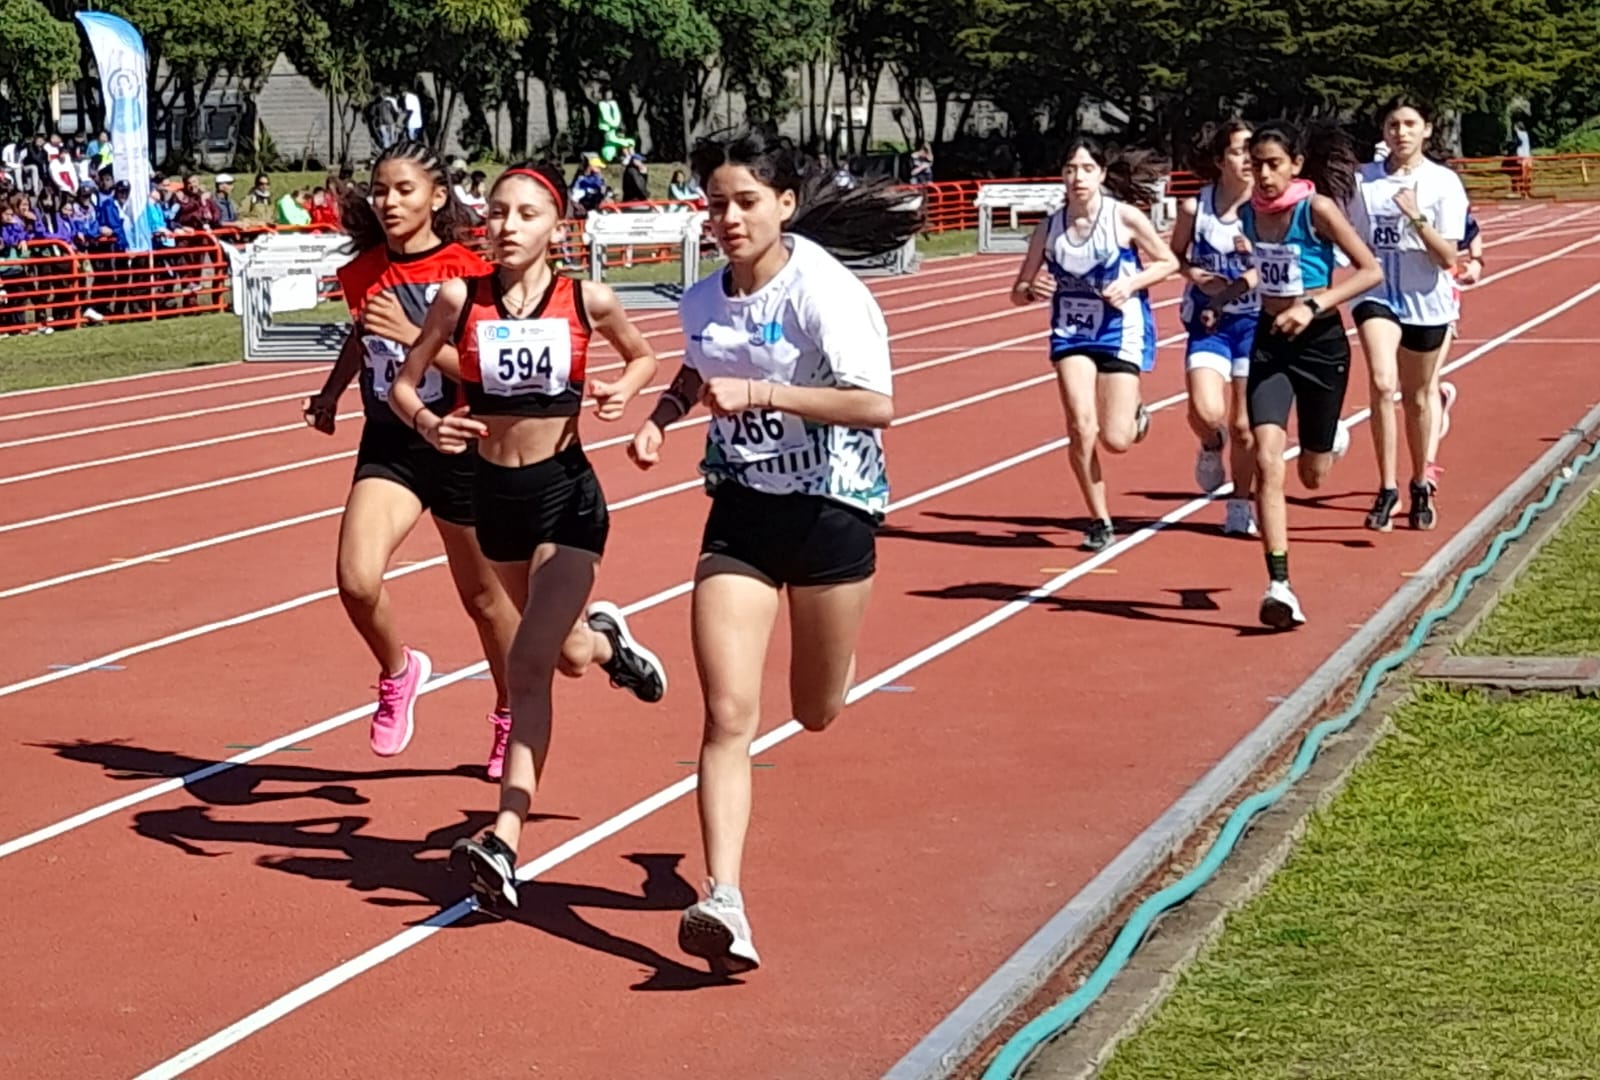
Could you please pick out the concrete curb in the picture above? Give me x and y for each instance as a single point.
(944, 1049)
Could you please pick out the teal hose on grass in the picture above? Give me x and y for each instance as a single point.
(1021, 1048)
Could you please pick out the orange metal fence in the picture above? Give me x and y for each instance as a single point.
(54, 287)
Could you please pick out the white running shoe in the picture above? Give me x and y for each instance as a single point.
(1241, 519)
(1209, 474)
(1141, 419)
(1280, 608)
(717, 931)
(1447, 395)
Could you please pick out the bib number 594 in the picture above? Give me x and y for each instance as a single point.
(520, 364)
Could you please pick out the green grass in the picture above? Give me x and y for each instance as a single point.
(1437, 920)
(109, 350)
(1553, 611)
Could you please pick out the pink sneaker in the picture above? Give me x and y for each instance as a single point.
(393, 723)
(497, 751)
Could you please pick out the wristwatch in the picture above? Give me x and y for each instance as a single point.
(1311, 302)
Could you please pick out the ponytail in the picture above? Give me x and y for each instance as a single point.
(1210, 145)
(872, 217)
(1133, 176)
(1327, 153)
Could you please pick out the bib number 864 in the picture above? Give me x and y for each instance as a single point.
(520, 365)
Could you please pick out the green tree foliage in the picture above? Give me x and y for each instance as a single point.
(37, 50)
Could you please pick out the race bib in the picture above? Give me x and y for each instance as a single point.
(1387, 232)
(531, 356)
(1079, 316)
(384, 360)
(760, 434)
(1278, 269)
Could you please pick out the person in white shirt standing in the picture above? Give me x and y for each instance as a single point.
(790, 352)
(1413, 213)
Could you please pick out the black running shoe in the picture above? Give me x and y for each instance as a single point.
(1381, 517)
(491, 866)
(1098, 536)
(1421, 513)
(632, 667)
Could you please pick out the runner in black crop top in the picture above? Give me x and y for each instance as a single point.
(522, 334)
(530, 366)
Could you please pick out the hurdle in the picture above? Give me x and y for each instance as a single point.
(1016, 199)
(281, 272)
(681, 229)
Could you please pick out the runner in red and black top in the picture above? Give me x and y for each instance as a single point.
(404, 235)
(522, 333)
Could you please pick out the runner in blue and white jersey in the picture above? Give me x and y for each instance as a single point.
(1103, 253)
(1209, 246)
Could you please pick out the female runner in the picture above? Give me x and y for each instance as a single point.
(1413, 212)
(404, 235)
(789, 351)
(522, 333)
(1300, 358)
(1206, 239)
(1102, 334)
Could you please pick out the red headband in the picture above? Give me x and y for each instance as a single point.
(555, 193)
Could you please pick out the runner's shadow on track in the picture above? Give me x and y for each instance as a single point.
(335, 849)
(365, 863)
(552, 907)
(238, 785)
(1140, 610)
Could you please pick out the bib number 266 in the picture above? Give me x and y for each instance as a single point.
(757, 434)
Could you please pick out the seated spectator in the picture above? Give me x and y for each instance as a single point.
(291, 209)
(80, 212)
(323, 210)
(258, 207)
(635, 180)
(225, 208)
(196, 208)
(589, 189)
(682, 188)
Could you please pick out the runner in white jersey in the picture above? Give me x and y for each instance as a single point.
(1213, 254)
(790, 352)
(1104, 254)
(1413, 213)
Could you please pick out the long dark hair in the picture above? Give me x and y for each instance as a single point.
(361, 221)
(1329, 154)
(872, 217)
(1210, 146)
(1134, 176)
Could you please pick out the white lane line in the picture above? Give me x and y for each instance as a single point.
(169, 493)
(114, 379)
(105, 402)
(322, 727)
(148, 421)
(277, 399)
(322, 594)
(998, 346)
(939, 266)
(415, 935)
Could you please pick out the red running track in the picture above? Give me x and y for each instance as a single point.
(960, 806)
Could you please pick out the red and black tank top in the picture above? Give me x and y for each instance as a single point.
(529, 366)
(415, 281)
